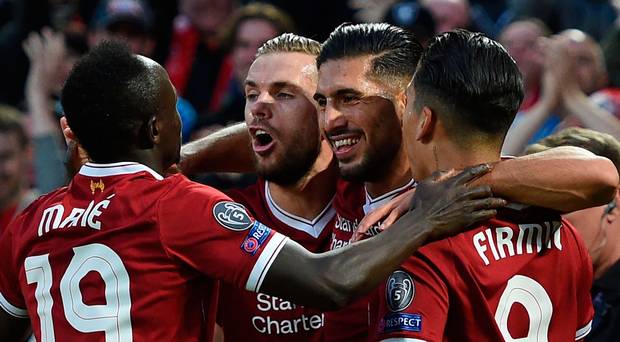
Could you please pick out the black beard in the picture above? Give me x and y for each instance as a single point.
(375, 164)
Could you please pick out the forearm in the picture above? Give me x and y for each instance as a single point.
(40, 107)
(332, 280)
(563, 178)
(591, 115)
(227, 150)
(524, 129)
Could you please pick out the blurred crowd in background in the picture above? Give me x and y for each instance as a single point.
(567, 50)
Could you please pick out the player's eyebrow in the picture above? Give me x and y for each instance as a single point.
(250, 83)
(284, 84)
(348, 91)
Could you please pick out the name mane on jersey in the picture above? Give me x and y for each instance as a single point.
(343, 231)
(271, 326)
(52, 217)
(504, 242)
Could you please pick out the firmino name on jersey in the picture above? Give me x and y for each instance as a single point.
(503, 242)
(79, 217)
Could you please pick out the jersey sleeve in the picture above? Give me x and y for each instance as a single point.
(413, 303)
(11, 298)
(206, 230)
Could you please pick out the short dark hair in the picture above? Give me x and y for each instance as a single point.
(601, 144)
(471, 82)
(397, 51)
(289, 42)
(279, 19)
(109, 95)
(10, 122)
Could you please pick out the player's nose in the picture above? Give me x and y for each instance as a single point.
(262, 107)
(333, 118)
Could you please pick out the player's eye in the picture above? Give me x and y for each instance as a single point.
(251, 96)
(284, 95)
(350, 99)
(321, 101)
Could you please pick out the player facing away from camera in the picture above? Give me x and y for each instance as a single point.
(123, 254)
(520, 276)
(296, 186)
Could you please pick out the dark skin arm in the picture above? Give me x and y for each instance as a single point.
(332, 280)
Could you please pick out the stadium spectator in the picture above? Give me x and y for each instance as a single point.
(15, 158)
(413, 17)
(128, 20)
(51, 55)
(25, 16)
(522, 40)
(573, 70)
(248, 28)
(595, 17)
(600, 229)
(197, 59)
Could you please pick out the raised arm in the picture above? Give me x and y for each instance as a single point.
(333, 279)
(226, 150)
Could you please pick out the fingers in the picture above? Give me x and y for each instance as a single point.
(482, 215)
(487, 203)
(372, 218)
(471, 173)
(477, 192)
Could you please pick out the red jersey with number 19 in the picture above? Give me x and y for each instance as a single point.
(125, 255)
(507, 279)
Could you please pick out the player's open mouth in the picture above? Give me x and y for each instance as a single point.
(262, 141)
(344, 145)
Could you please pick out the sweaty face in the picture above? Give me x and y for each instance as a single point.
(252, 33)
(281, 116)
(13, 166)
(358, 117)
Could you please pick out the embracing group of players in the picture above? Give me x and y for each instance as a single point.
(336, 131)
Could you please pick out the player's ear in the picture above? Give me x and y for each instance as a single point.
(401, 105)
(426, 124)
(150, 133)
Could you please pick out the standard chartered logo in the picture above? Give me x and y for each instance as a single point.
(297, 321)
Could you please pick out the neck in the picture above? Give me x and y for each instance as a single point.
(145, 157)
(398, 176)
(609, 256)
(450, 155)
(308, 197)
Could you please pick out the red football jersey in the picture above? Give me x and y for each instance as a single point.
(352, 203)
(500, 281)
(122, 254)
(248, 316)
